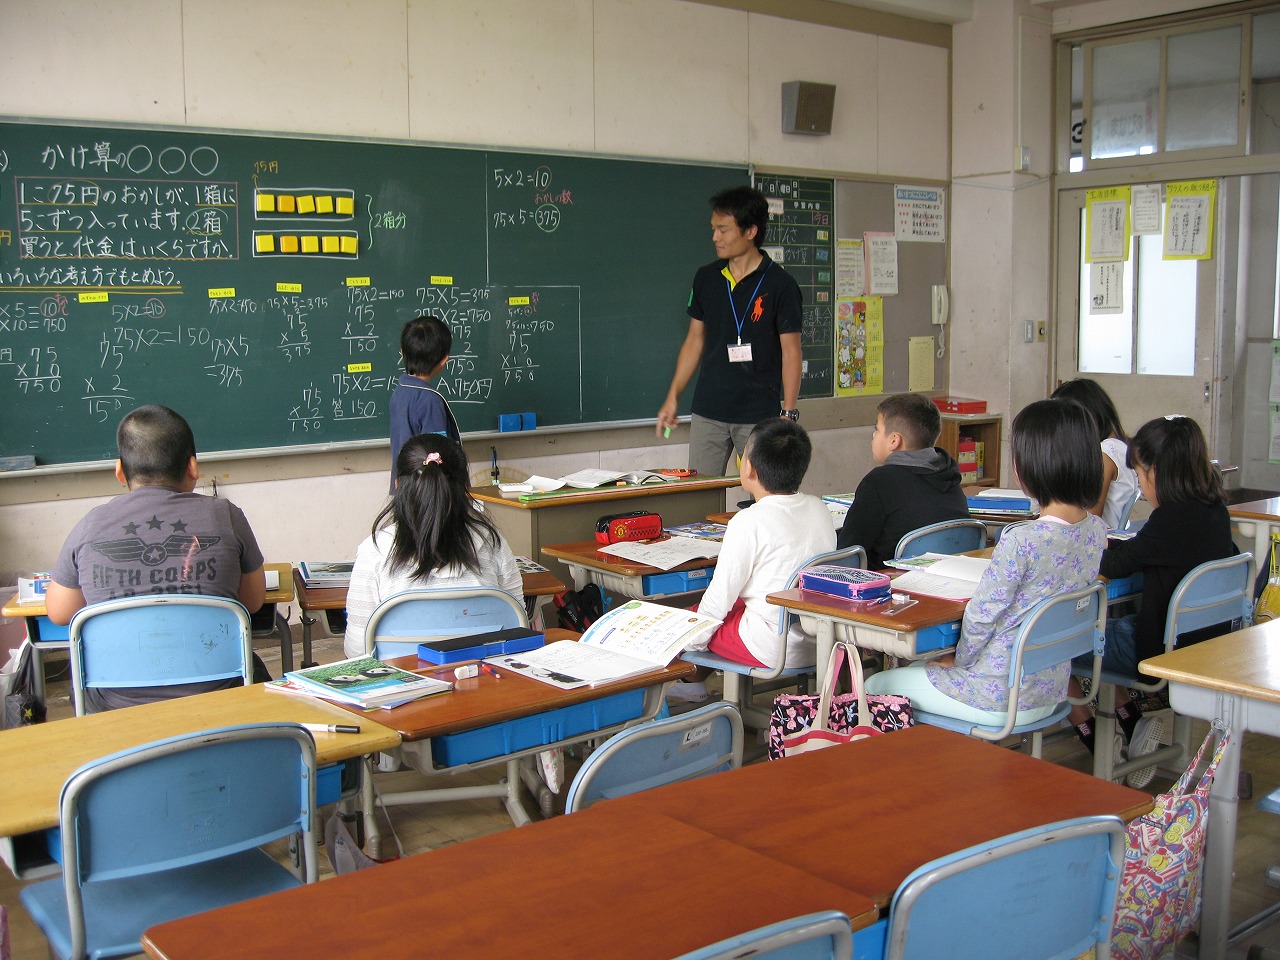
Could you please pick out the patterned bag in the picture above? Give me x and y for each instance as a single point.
(1159, 900)
(18, 693)
(1268, 604)
(801, 722)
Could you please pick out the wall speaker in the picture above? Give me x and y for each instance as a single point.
(807, 107)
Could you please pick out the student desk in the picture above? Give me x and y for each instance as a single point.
(567, 515)
(864, 815)
(316, 600)
(47, 636)
(1234, 678)
(595, 883)
(38, 759)
(493, 710)
(932, 622)
(1257, 518)
(629, 577)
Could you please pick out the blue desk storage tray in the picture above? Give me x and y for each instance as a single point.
(498, 739)
(676, 581)
(937, 637)
(458, 649)
(1125, 586)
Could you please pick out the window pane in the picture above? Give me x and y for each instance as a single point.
(1203, 89)
(1126, 92)
(1266, 84)
(1166, 312)
(1106, 339)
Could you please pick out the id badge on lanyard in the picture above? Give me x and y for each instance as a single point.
(741, 352)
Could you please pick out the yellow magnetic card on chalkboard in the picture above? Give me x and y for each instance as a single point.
(288, 244)
(264, 243)
(306, 203)
(346, 206)
(329, 244)
(284, 203)
(324, 204)
(349, 245)
(266, 203)
(310, 244)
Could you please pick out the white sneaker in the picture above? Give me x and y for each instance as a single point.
(1146, 738)
(686, 691)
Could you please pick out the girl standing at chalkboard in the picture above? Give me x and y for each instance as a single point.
(430, 535)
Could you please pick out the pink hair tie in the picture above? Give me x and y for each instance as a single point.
(433, 458)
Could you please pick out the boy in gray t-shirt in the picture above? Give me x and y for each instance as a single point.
(160, 537)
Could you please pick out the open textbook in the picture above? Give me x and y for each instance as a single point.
(664, 554)
(940, 575)
(582, 480)
(634, 638)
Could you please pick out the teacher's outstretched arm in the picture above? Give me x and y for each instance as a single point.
(686, 366)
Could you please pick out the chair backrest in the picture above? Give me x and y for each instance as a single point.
(401, 622)
(1056, 630)
(1122, 521)
(157, 641)
(814, 936)
(703, 741)
(186, 800)
(1218, 591)
(1045, 892)
(949, 536)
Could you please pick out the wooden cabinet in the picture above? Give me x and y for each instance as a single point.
(983, 428)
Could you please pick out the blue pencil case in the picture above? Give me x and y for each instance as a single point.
(851, 583)
(477, 646)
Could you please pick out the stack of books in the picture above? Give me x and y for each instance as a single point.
(364, 682)
(319, 574)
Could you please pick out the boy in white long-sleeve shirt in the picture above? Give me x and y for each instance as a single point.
(762, 547)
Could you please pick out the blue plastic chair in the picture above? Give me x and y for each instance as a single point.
(739, 679)
(401, 622)
(1054, 631)
(1219, 591)
(396, 627)
(1048, 892)
(158, 640)
(815, 936)
(695, 744)
(1122, 521)
(949, 536)
(172, 828)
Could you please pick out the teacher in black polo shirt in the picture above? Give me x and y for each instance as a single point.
(743, 339)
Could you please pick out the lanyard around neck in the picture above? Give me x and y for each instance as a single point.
(734, 307)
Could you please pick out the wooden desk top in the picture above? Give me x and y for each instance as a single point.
(927, 612)
(594, 883)
(38, 759)
(864, 815)
(557, 498)
(1268, 509)
(483, 700)
(1245, 663)
(542, 584)
(587, 553)
(282, 594)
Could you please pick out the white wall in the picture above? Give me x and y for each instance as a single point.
(661, 78)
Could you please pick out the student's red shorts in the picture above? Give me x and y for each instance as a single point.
(727, 640)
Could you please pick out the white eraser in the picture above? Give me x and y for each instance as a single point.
(467, 672)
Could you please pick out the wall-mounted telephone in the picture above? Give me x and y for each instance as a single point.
(940, 301)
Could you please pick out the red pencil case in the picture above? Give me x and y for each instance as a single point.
(637, 525)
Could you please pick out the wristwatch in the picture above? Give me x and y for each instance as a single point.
(790, 414)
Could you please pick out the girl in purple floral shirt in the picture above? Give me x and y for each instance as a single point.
(1055, 457)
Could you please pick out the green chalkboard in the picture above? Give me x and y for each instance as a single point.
(258, 284)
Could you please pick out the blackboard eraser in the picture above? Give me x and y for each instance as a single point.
(528, 421)
(508, 422)
(24, 462)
